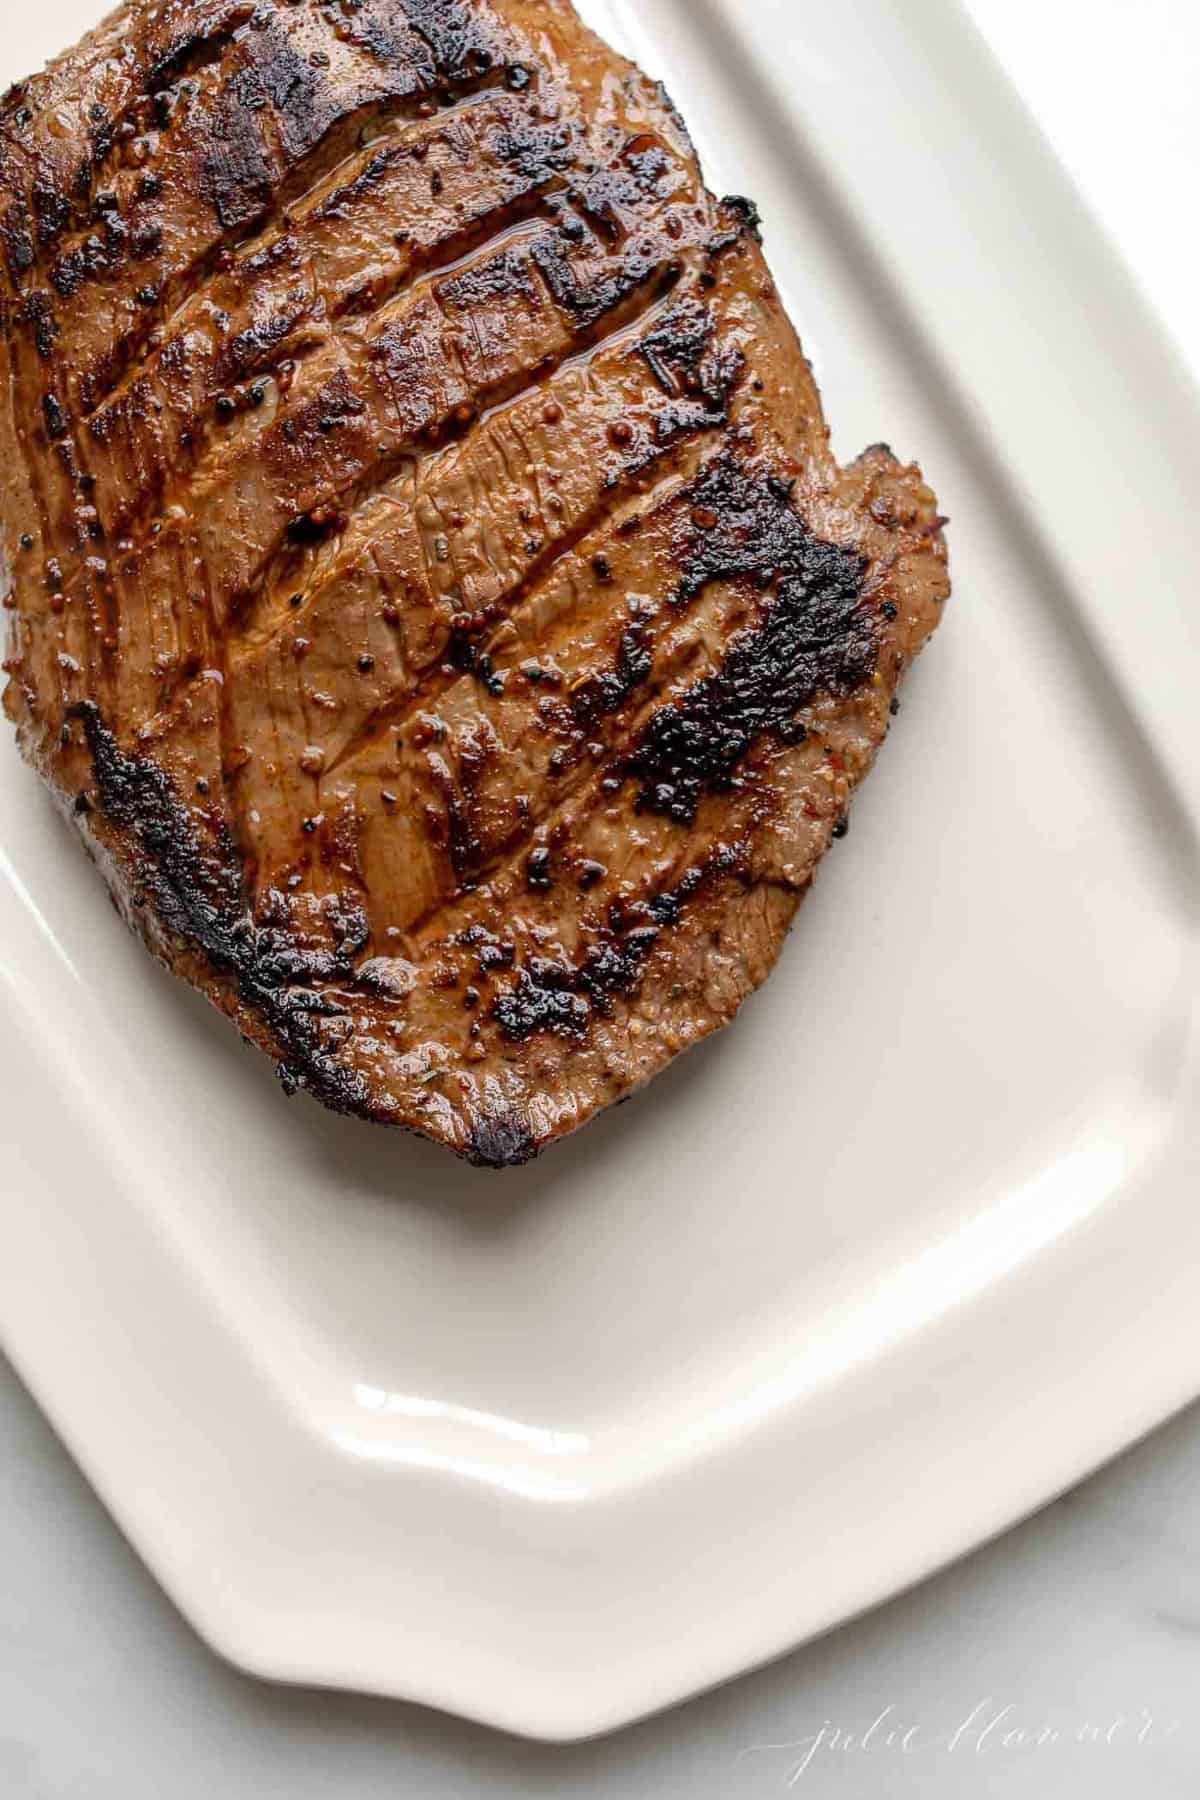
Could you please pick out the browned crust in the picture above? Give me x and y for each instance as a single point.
(732, 710)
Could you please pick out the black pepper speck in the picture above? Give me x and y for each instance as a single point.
(537, 869)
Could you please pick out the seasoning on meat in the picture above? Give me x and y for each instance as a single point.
(431, 592)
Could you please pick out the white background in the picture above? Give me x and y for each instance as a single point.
(1087, 1618)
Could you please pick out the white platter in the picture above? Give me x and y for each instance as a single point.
(908, 1251)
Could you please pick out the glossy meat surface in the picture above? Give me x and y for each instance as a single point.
(430, 587)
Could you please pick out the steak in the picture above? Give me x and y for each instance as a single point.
(432, 593)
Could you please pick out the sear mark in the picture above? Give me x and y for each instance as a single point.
(458, 36)
(676, 348)
(608, 690)
(697, 374)
(198, 897)
(562, 998)
(501, 1140)
(815, 636)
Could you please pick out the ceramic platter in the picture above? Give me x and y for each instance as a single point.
(904, 1253)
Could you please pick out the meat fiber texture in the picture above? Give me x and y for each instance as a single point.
(431, 591)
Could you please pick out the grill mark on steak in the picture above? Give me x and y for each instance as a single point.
(173, 288)
(62, 197)
(458, 41)
(462, 294)
(679, 349)
(64, 426)
(603, 688)
(343, 501)
(475, 851)
(198, 897)
(680, 339)
(239, 172)
(462, 657)
(562, 998)
(193, 52)
(129, 429)
(461, 290)
(337, 411)
(203, 68)
(815, 636)
(816, 639)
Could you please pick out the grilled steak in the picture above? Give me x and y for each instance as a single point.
(432, 594)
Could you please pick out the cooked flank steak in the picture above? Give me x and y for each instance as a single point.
(432, 594)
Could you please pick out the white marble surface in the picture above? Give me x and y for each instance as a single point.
(1060, 1663)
